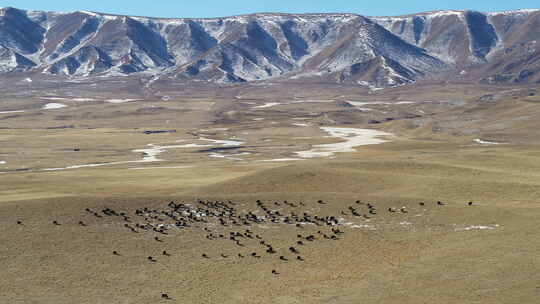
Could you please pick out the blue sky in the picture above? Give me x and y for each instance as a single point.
(219, 8)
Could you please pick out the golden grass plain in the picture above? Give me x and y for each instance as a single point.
(423, 256)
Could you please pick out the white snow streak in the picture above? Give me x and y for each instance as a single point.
(120, 100)
(282, 159)
(228, 156)
(485, 142)
(53, 106)
(353, 137)
(267, 105)
(9, 112)
(478, 227)
(155, 168)
(150, 154)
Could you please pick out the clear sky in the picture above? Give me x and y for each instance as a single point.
(221, 8)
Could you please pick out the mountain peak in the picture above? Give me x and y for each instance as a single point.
(339, 47)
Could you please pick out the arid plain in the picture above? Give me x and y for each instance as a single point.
(452, 144)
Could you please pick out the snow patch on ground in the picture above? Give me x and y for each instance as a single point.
(87, 166)
(485, 142)
(224, 143)
(53, 98)
(478, 227)
(282, 159)
(272, 104)
(82, 99)
(9, 112)
(70, 99)
(267, 105)
(3, 162)
(359, 103)
(229, 156)
(362, 226)
(53, 106)
(120, 100)
(155, 168)
(150, 154)
(193, 146)
(313, 101)
(353, 137)
(300, 125)
(367, 103)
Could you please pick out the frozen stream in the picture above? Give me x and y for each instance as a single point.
(150, 154)
(353, 137)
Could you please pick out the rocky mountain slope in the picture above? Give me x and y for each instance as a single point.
(494, 47)
(373, 52)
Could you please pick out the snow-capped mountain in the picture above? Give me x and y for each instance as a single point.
(378, 51)
(495, 47)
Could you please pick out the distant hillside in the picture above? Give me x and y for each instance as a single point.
(368, 51)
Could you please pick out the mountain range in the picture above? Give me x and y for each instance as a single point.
(375, 52)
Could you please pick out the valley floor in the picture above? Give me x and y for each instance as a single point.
(397, 251)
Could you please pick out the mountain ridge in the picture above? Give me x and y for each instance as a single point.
(350, 48)
(522, 10)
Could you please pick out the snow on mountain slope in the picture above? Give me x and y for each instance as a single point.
(378, 51)
(460, 37)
